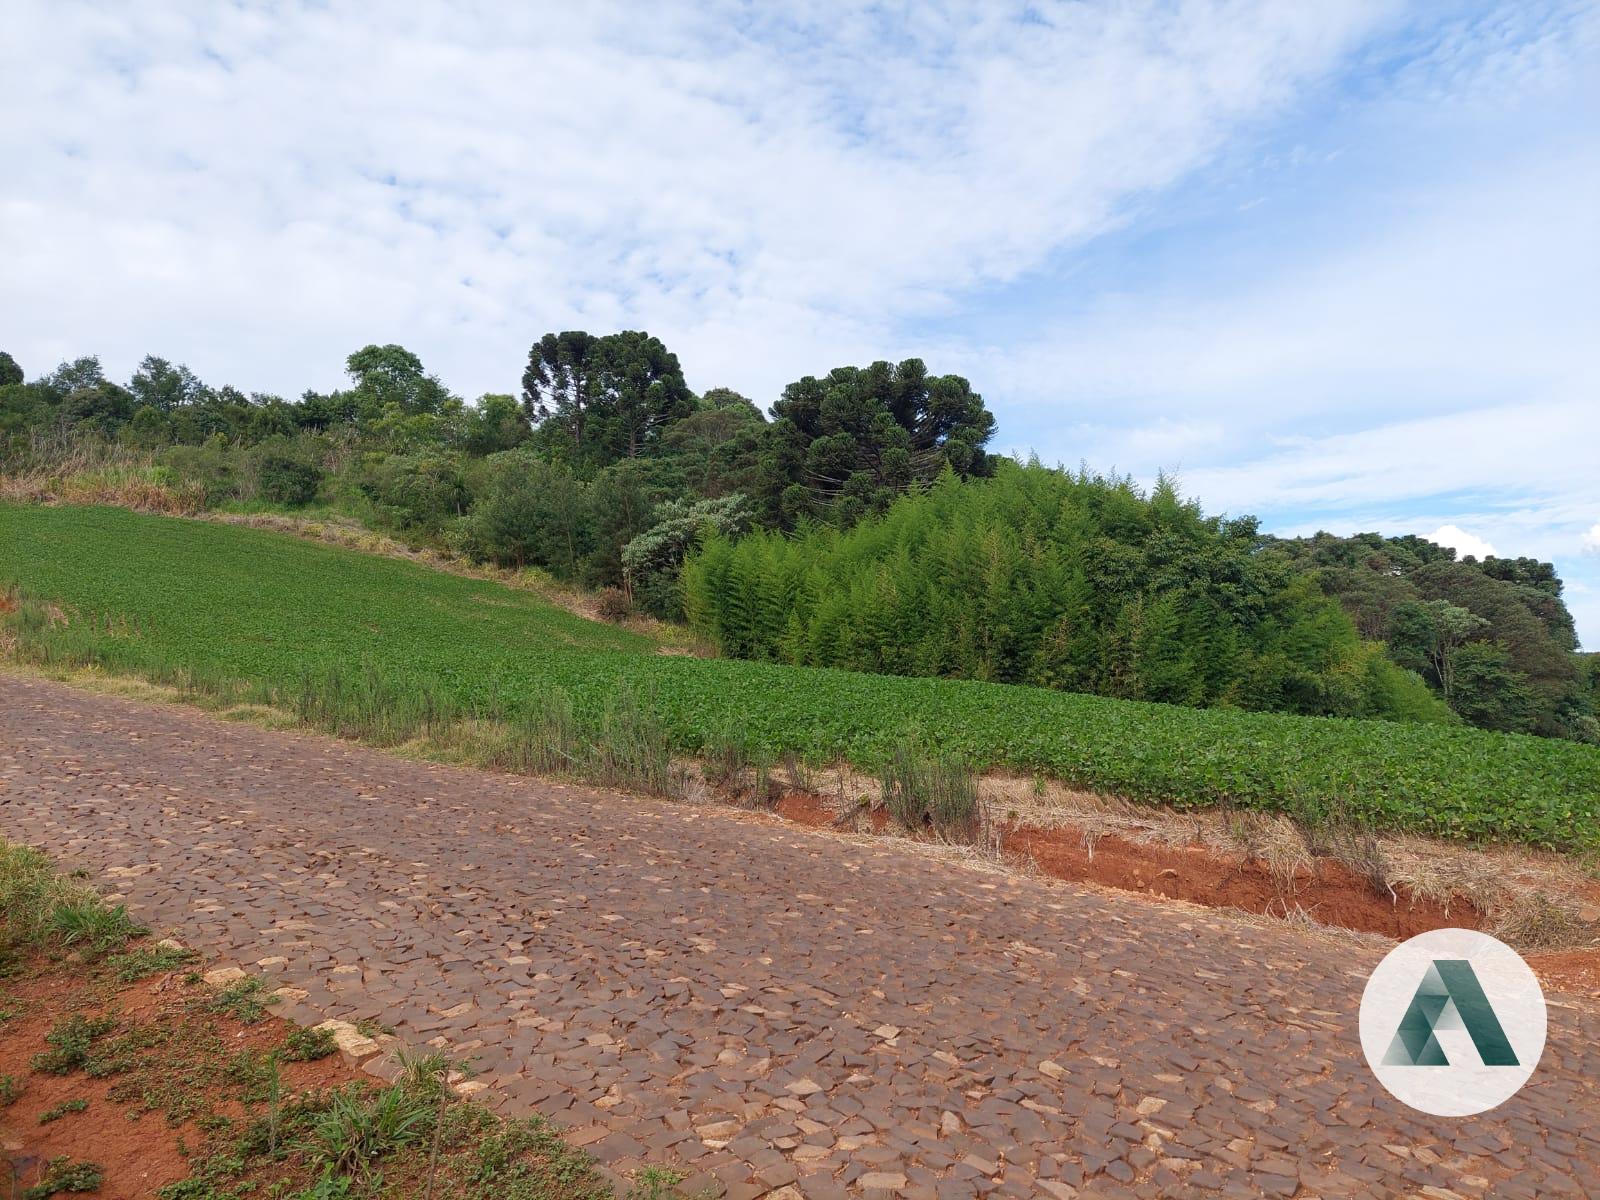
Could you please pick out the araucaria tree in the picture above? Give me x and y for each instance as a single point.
(846, 445)
(598, 400)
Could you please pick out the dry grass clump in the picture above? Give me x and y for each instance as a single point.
(1276, 841)
(733, 767)
(931, 791)
(1531, 920)
(140, 488)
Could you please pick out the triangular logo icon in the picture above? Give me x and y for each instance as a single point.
(1449, 997)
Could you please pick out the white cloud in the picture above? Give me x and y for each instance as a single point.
(1591, 540)
(258, 191)
(1462, 542)
(1473, 295)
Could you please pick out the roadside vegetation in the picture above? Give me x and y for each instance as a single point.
(119, 1061)
(388, 651)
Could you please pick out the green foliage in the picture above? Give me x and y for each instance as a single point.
(287, 481)
(1488, 693)
(71, 1041)
(598, 400)
(30, 892)
(245, 1000)
(163, 387)
(1038, 577)
(148, 960)
(534, 513)
(10, 1090)
(10, 372)
(651, 561)
(937, 792)
(655, 1183)
(40, 908)
(1501, 619)
(732, 763)
(421, 492)
(494, 424)
(391, 379)
(358, 1130)
(226, 607)
(717, 447)
(307, 1045)
(89, 925)
(631, 747)
(846, 445)
(63, 1174)
(65, 1108)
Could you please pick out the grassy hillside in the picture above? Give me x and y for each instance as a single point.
(147, 592)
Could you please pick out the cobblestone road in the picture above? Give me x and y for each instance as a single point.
(766, 1006)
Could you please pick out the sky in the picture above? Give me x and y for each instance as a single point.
(1334, 264)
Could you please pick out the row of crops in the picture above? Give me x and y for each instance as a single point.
(147, 592)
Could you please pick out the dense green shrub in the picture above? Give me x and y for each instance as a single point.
(288, 481)
(1492, 638)
(533, 513)
(214, 465)
(418, 493)
(1035, 576)
(651, 561)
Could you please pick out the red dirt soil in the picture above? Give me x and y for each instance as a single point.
(1575, 971)
(1331, 895)
(139, 1156)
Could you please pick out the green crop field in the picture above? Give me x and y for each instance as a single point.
(148, 592)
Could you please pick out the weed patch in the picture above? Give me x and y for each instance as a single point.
(303, 1044)
(147, 961)
(66, 1175)
(71, 1041)
(934, 792)
(65, 1108)
(246, 1000)
(89, 924)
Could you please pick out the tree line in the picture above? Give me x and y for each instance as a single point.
(603, 471)
(859, 522)
(1492, 637)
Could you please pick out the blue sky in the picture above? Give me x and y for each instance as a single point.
(1331, 263)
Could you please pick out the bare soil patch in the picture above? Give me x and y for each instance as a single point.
(138, 1152)
(1326, 892)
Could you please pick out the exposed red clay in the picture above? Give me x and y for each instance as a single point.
(141, 1155)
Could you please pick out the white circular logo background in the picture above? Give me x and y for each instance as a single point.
(1463, 1024)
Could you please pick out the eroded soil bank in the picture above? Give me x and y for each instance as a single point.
(1311, 889)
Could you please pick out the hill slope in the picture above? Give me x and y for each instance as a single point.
(144, 593)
